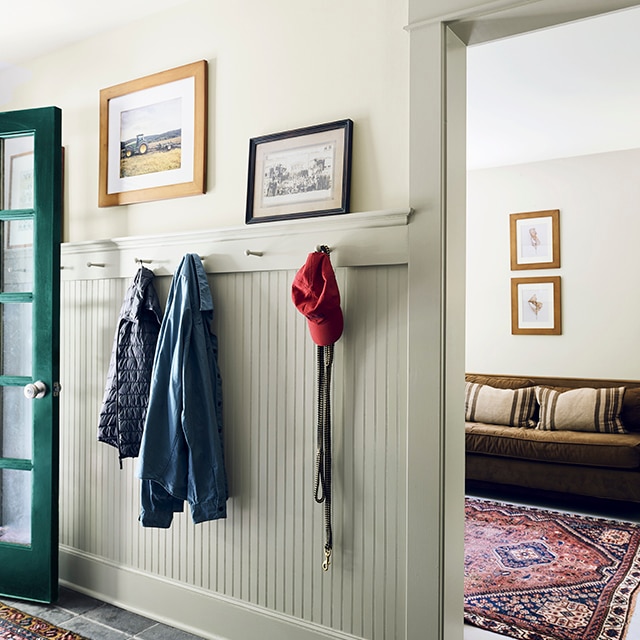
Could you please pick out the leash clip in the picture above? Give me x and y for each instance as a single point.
(327, 559)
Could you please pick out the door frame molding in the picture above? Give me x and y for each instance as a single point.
(435, 472)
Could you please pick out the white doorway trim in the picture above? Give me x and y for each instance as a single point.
(437, 184)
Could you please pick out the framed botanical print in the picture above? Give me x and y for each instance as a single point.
(535, 306)
(535, 240)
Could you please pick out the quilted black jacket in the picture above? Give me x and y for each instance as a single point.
(127, 390)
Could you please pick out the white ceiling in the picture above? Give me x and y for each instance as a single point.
(563, 91)
(559, 92)
(31, 28)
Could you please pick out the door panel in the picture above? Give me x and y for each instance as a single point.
(17, 260)
(30, 214)
(15, 421)
(15, 490)
(17, 324)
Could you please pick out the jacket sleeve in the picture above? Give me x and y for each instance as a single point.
(162, 440)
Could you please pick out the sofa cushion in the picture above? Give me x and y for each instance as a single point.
(620, 451)
(500, 382)
(512, 407)
(583, 409)
(630, 414)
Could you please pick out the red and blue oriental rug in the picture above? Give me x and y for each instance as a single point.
(17, 625)
(535, 574)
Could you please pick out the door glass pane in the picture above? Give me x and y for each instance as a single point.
(15, 429)
(17, 183)
(17, 255)
(16, 339)
(15, 500)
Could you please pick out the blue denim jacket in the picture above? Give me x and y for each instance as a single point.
(181, 454)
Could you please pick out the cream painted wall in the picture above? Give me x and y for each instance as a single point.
(597, 196)
(260, 82)
(273, 66)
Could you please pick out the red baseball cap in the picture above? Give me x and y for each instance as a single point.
(315, 293)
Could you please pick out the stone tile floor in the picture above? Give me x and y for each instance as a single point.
(97, 620)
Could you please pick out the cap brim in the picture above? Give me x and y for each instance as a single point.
(329, 330)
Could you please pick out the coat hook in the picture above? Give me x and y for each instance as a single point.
(95, 264)
(324, 248)
(248, 252)
(141, 261)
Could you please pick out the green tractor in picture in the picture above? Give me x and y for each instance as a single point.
(137, 147)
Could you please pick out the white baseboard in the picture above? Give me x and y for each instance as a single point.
(196, 611)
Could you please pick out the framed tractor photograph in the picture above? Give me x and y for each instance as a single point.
(153, 137)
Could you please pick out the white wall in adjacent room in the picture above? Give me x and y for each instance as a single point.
(598, 197)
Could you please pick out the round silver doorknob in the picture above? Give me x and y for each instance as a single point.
(35, 390)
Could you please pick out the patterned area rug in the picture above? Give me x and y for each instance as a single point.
(534, 574)
(16, 625)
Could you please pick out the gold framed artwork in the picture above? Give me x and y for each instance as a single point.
(535, 306)
(535, 240)
(153, 137)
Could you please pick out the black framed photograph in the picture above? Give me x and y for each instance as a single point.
(300, 173)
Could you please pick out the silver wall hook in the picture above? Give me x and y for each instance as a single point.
(249, 252)
(95, 264)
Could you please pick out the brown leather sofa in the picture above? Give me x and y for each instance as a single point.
(586, 463)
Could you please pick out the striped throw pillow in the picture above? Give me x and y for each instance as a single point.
(510, 407)
(583, 409)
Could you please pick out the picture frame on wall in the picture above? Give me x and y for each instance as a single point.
(19, 234)
(21, 181)
(153, 137)
(20, 196)
(300, 173)
(535, 306)
(535, 240)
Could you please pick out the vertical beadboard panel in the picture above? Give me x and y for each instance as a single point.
(269, 550)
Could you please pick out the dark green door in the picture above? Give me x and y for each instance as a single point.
(30, 214)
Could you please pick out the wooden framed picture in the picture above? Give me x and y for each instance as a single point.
(535, 306)
(535, 240)
(300, 173)
(153, 137)
(19, 234)
(21, 181)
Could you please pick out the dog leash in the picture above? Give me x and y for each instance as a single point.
(315, 293)
(322, 488)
